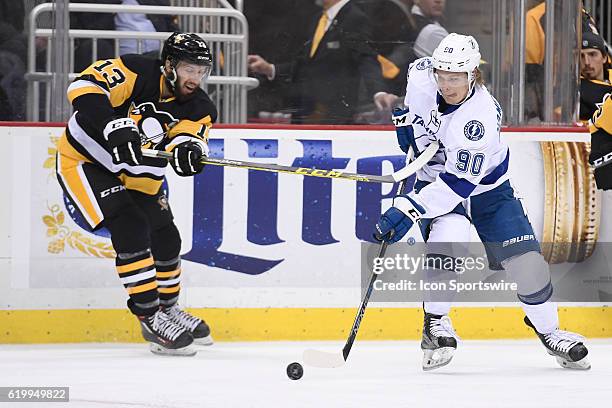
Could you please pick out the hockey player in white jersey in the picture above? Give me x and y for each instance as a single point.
(446, 101)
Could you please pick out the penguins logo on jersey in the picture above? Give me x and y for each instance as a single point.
(153, 124)
(474, 130)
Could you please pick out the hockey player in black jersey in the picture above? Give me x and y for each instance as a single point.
(595, 74)
(121, 105)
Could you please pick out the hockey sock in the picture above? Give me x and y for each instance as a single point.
(544, 316)
(168, 280)
(136, 271)
(532, 275)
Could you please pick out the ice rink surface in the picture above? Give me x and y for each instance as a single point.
(487, 374)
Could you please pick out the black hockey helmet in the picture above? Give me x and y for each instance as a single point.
(186, 47)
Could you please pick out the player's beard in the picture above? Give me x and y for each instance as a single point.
(182, 96)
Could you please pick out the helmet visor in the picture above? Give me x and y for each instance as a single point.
(193, 72)
(446, 79)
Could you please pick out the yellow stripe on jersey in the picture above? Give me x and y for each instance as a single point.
(65, 148)
(70, 170)
(143, 184)
(142, 288)
(131, 267)
(198, 129)
(602, 118)
(116, 77)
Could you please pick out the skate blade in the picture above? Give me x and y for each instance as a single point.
(187, 351)
(583, 364)
(437, 358)
(203, 341)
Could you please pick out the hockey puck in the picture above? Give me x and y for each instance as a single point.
(295, 371)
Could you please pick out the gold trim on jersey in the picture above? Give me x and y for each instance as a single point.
(75, 181)
(65, 148)
(143, 184)
(596, 81)
(116, 76)
(198, 129)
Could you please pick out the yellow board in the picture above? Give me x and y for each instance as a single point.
(76, 326)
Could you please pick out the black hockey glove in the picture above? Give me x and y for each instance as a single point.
(186, 158)
(123, 141)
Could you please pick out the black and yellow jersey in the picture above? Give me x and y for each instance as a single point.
(131, 86)
(601, 141)
(592, 93)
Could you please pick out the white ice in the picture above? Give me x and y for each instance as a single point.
(378, 374)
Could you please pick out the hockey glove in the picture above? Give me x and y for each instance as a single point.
(123, 141)
(397, 220)
(403, 129)
(187, 156)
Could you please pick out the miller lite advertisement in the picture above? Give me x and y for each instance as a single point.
(264, 239)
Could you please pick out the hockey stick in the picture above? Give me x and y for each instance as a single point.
(325, 359)
(399, 175)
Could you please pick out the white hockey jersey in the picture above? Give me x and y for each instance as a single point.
(472, 158)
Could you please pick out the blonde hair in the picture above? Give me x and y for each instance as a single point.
(478, 79)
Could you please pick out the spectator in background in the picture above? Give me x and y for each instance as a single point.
(595, 74)
(396, 31)
(325, 73)
(12, 12)
(83, 47)
(426, 42)
(13, 57)
(144, 23)
(122, 22)
(535, 52)
(276, 32)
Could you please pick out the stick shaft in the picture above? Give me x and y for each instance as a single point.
(362, 307)
(303, 171)
(366, 297)
(399, 175)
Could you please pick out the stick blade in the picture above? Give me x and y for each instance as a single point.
(323, 359)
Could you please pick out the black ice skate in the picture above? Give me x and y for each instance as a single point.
(196, 326)
(439, 341)
(165, 336)
(566, 347)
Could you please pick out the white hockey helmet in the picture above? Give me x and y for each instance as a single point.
(457, 53)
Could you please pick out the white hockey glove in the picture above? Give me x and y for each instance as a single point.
(123, 141)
